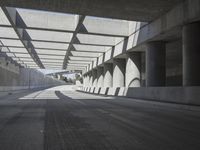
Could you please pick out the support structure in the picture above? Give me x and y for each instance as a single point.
(13, 17)
(90, 79)
(108, 75)
(85, 80)
(100, 76)
(119, 66)
(94, 75)
(191, 54)
(133, 69)
(155, 64)
(81, 19)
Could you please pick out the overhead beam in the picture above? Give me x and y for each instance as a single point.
(99, 52)
(78, 43)
(82, 58)
(80, 22)
(26, 53)
(68, 31)
(60, 42)
(87, 57)
(60, 72)
(79, 65)
(21, 24)
(79, 62)
(74, 42)
(84, 55)
(11, 16)
(52, 59)
(76, 68)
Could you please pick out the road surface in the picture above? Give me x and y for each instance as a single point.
(63, 119)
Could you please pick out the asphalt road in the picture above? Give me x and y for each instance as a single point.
(67, 120)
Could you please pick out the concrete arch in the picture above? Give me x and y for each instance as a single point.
(135, 83)
(133, 70)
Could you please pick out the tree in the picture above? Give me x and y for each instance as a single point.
(79, 78)
(65, 79)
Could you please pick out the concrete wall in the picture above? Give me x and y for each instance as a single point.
(9, 73)
(8, 78)
(34, 79)
(13, 78)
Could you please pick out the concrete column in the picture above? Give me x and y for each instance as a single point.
(87, 80)
(84, 80)
(155, 64)
(90, 79)
(191, 54)
(119, 66)
(59, 76)
(100, 76)
(94, 74)
(133, 69)
(108, 75)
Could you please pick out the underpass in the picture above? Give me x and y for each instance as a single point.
(99, 75)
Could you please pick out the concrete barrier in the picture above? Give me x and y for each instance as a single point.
(182, 95)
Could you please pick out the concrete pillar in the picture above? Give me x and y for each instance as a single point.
(155, 64)
(100, 76)
(87, 80)
(84, 80)
(133, 69)
(191, 54)
(119, 66)
(59, 76)
(108, 75)
(90, 79)
(94, 74)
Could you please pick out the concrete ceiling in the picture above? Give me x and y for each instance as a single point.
(136, 10)
(43, 39)
(52, 40)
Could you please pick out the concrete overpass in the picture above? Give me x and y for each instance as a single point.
(139, 63)
(120, 9)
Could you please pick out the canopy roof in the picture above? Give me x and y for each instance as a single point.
(42, 39)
